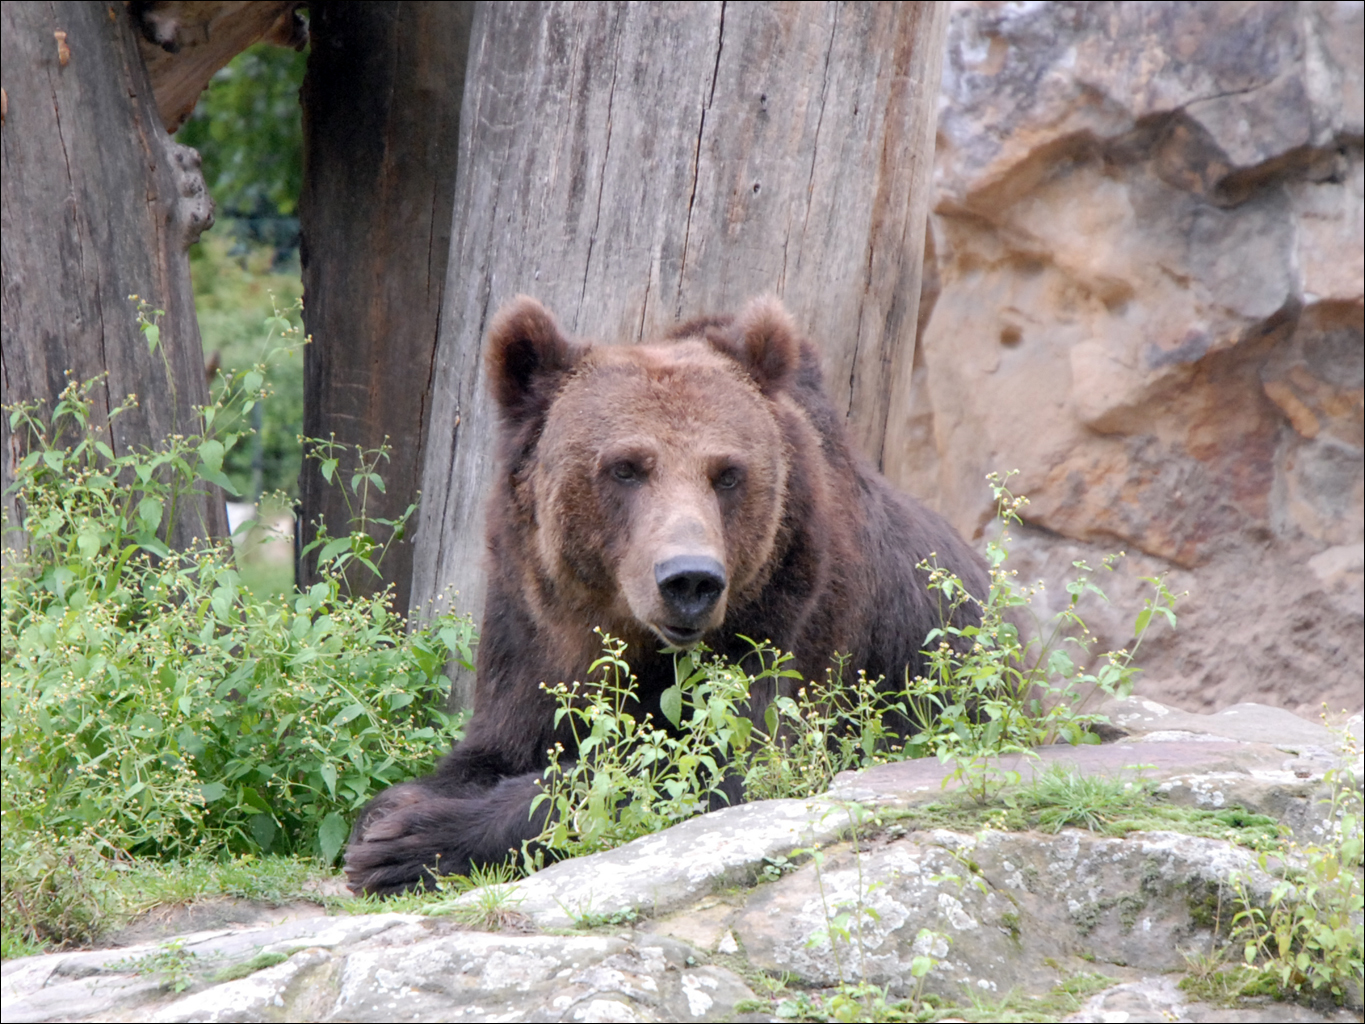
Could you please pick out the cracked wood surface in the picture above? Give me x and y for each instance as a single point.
(99, 203)
(633, 166)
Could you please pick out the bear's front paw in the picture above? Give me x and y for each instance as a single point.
(396, 843)
(412, 833)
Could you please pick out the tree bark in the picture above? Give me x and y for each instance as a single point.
(635, 165)
(381, 115)
(99, 203)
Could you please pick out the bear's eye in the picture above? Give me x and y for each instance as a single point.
(728, 479)
(627, 472)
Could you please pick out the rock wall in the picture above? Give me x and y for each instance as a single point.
(1148, 233)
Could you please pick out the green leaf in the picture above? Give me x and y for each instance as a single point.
(347, 715)
(334, 548)
(263, 830)
(149, 511)
(153, 545)
(331, 836)
(1059, 663)
(212, 791)
(153, 333)
(670, 702)
(211, 454)
(329, 777)
(218, 479)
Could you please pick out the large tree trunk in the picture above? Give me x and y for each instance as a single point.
(381, 105)
(631, 166)
(99, 203)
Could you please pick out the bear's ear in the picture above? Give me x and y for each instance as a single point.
(763, 340)
(528, 355)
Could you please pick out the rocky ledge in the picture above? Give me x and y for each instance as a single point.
(700, 922)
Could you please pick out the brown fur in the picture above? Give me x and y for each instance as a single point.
(698, 488)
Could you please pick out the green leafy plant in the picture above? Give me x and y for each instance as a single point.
(583, 916)
(634, 776)
(236, 289)
(153, 706)
(861, 1002)
(775, 867)
(171, 962)
(844, 921)
(829, 726)
(991, 691)
(1306, 940)
(52, 891)
(1210, 978)
(922, 964)
(843, 932)
(360, 547)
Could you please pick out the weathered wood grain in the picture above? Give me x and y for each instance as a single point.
(381, 103)
(632, 165)
(99, 203)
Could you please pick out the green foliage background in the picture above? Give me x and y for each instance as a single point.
(248, 130)
(154, 706)
(236, 287)
(246, 127)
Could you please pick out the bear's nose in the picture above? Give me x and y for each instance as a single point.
(691, 585)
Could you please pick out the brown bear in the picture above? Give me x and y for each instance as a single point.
(700, 488)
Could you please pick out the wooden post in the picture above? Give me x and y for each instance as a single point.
(634, 165)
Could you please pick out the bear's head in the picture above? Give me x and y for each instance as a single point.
(647, 482)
